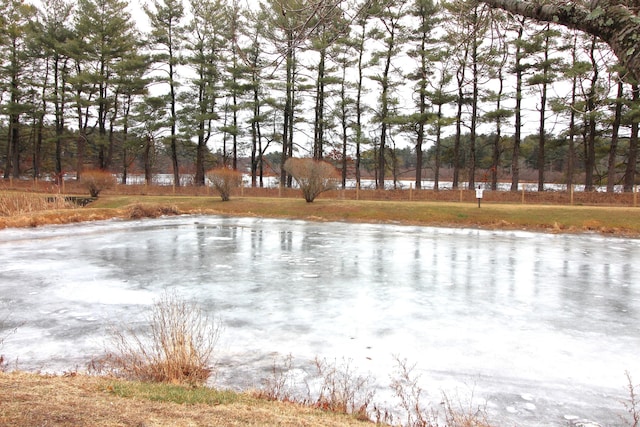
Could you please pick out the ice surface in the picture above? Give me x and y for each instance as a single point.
(537, 328)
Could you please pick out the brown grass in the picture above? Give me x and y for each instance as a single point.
(621, 220)
(19, 203)
(154, 210)
(78, 401)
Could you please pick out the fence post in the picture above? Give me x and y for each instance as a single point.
(357, 191)
(523, 187)
(571, 192)
(411, 191)
(635, 196)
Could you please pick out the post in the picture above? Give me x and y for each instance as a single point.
(635, 196)
(411, 191)
(571, 193)
(523, 187)
(479, 194)
(461, 195)
(357, 191)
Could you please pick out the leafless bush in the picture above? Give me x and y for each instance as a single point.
(281, 384)
(224, 180)
(332, 387)
(342, 389)
(95, 181)
(22, 203)
(313, 176)
(141, 210)
(633, 404)
(5, 332)
(405, 385)
(177, 346)
(461, 416)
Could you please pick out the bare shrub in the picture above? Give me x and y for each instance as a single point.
(6, 331)
(461, 416)
(342, 389)
(332, 387)
(141, 210)
(95, 181)
(314, 177)
(281, 384)
(224, 180)
(177, 346)
(633, 404)
(405, 385)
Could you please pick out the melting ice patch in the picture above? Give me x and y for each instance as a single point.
(535, 327)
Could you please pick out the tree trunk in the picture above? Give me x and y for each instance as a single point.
(632, 156)
(590, 159)
(515, 155)
(613, 149)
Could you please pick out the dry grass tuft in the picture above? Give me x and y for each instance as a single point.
(141, 210)
(176, 347)
(12, 204)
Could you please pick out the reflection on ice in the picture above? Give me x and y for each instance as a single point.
(539, 327)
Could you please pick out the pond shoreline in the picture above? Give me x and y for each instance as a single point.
(606, 221)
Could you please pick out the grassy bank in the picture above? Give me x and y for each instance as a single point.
(77, 401)
(609, 220)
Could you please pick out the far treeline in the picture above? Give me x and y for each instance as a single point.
(481, 88)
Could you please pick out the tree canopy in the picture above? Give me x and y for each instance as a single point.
(616, 22)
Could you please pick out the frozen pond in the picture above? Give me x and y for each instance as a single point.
(541, 328)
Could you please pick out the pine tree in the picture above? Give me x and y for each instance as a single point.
(204, 56)
(107, 35)
(391, 35)
(543, 43)
(16, 32)
(166, 40)
(425, 12)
